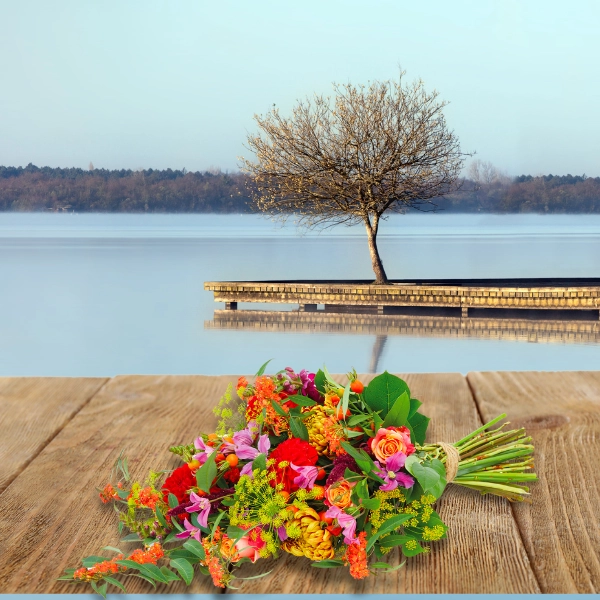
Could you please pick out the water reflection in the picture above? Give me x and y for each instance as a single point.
(581, 328)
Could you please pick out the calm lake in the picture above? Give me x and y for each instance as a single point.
(100, 295)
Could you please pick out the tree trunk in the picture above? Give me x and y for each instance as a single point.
(380, 276)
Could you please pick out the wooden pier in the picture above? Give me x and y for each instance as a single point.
(542, 294)
(61, 436)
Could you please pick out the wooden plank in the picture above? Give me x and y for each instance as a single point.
(483, 553)
(561, 526)
(32, 411)
(51, 514)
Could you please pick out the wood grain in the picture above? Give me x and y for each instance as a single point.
(483, 552)
(51, 516)
(32, 411)
(561, 526)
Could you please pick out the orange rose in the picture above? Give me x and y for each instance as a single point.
(338, 494)
(390, 441)
(228, 550)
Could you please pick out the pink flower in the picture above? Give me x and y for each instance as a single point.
(190, 531)
(307, 476)
(200, 506)
(346, 522)
(206, 450)
(390, 441)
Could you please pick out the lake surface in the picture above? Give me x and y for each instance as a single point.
(100, 295)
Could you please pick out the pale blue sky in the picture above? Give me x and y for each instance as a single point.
(140, 84)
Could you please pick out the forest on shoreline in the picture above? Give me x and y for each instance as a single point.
(31, 188)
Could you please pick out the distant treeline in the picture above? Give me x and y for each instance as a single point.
(32, 188)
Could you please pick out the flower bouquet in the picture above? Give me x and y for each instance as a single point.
(340, 475)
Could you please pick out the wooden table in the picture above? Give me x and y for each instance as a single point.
(59, 438)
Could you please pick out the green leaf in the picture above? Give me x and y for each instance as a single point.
(327, 564)
(153, 571)
(371, 503)
(260, 463)
(382, 392)
(345, 400)
(169, 574)
(183, 553)
(123, 494)
(262, 369)
(390, 541)
(279, 409)
(351, 434)
(112, 549)
(298, 429)
(216, 524)
(90, 561)
(184, 568)
(428, 475)
(173, 502)
(320, 381)
(389, 525)
(206, 474)
(356, 419)
(148, 579)
(130, 564)
(419, 424)
(114, 582)
(300, 400)
(160, 517)
(196, 548)
(361, 489)
(398, 414)
(414, 551)
(390, 567)
(414, 407)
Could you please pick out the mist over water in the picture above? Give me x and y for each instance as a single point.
(104, 294)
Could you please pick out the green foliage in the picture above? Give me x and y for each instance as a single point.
(383, 391)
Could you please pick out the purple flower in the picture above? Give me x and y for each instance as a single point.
(346, 522)
(307, 476)
(200, 506)
(190, 531)
(247, 470)
(392, 474)
(282, 533)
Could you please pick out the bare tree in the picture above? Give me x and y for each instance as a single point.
(352, 158)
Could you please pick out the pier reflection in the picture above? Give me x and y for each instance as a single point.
(513, 328)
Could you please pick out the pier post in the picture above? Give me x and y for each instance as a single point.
(307, 308)
(464, 312)
(380, 309)
(230, 305)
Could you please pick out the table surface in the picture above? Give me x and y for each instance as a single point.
(61, 436)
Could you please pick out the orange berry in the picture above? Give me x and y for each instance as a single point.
(321, 474)
(220, 457)
(335, 400)
(286, 495)
(232, 459)
(212, 436)
(293, 508)
(200, 493)
(357, 387)
(193, 464)
(228, 439)
(327, 520)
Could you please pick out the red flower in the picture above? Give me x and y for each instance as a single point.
(178, 483)
(296, 451)
(232, 475)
